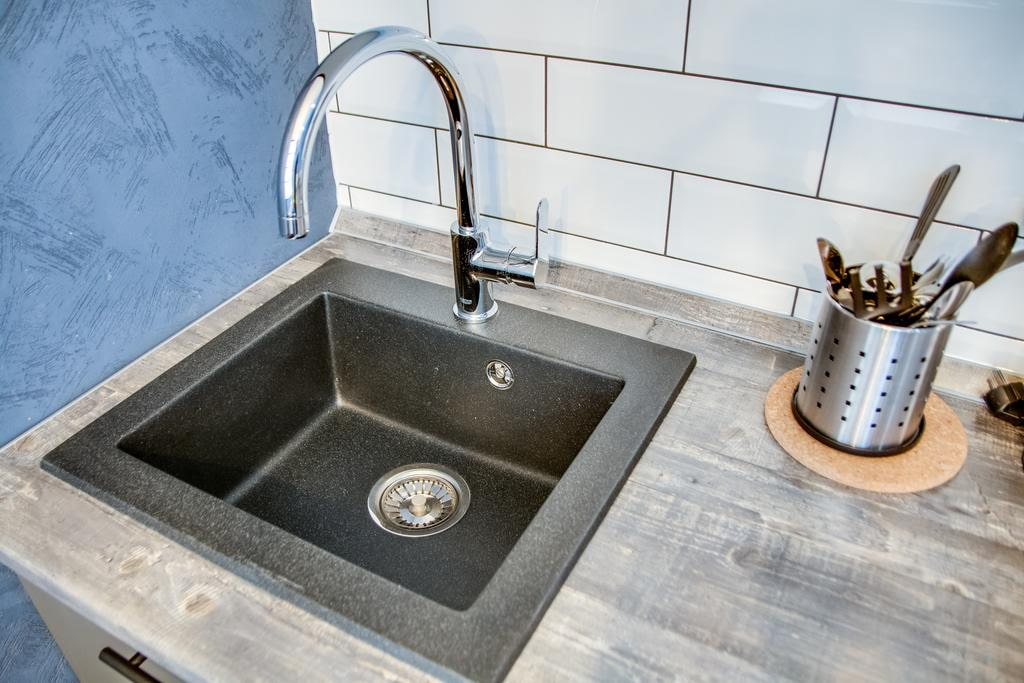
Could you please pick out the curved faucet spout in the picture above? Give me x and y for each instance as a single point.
(313, 101)
(475, 261)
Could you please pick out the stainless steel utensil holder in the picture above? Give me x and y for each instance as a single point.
(865, 384)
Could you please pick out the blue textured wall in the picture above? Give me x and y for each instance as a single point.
(138, 148)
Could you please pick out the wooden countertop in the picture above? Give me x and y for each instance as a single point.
(721, 558)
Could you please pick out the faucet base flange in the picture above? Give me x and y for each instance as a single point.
(475, 317)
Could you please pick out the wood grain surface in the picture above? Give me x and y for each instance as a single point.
(721, 558)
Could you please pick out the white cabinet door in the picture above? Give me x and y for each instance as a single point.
(81, 641)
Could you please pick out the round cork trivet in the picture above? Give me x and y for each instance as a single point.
(934, 459)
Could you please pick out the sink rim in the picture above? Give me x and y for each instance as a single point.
(481, 641)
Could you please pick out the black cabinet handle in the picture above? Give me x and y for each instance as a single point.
(129, 668)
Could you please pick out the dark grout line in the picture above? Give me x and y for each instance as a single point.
(391, 194)
(511, 220)
(727, 79)
(722, 180)
(792, 309)
(686, 33)
(673, 258)
(625, 246)
(828, 141)
(401, 123)
(592, 239)
(694, 174)
(861, 98)
(668, 217)
(1002, 335)
(600, 241)
(430, 31)
(730, 270)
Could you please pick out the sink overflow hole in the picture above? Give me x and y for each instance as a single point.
(499, 374)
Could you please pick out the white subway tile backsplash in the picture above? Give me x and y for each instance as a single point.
(390, 157)
(504, 92)
(772, 234)
(671, 272)
(966, 56)
(887, 156)
(597, 198)
(754, 134)
(352, 16)
(987, 349)
(639, 32)
(433, 216)
(323, 45)
(997, 306)
(598, 255)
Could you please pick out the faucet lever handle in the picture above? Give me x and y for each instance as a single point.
(541, 245)
(541, 234)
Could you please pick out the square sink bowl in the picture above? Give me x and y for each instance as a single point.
(424, 483)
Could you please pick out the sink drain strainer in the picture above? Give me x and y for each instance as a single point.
(418, 500)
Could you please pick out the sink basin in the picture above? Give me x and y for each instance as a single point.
(262, 451)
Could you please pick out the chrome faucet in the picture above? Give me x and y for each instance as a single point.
(477, 263)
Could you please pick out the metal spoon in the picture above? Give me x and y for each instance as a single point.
(946, 305)
(936, 195)
(831, 263)
(930, 274)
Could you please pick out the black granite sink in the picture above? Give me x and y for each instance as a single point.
(261, 448)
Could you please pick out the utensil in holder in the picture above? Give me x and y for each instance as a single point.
(864, 384)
